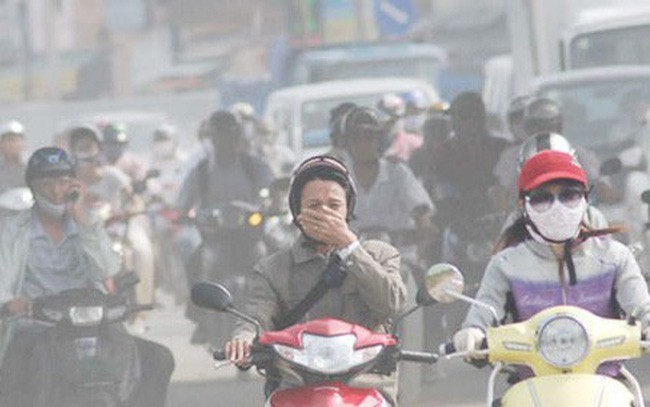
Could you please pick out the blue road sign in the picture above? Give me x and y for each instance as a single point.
(394, 17)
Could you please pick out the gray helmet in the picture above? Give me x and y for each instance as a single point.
(544, 141)
(165, 132)
(542, 115)
(517, 108)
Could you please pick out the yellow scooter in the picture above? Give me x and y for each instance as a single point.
(563, 346)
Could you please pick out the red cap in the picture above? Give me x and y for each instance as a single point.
(549, 165)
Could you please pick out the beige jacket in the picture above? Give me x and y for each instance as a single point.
(372, 292)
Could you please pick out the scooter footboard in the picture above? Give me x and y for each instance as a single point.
(569, 390)
(327, 395)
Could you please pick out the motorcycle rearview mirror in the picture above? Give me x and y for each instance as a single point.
(610, 167)
(216, 297)
(444, 282)
(152, 174)
(439, 278)
(212, 296)
(645, 196)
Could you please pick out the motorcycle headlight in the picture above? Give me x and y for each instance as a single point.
(115, 313)
(255, 219)
(52, 314)
(563, 341)
(328, 355)
(86, 316)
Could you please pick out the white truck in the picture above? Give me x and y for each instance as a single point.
(550, 36)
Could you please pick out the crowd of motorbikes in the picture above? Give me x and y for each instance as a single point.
(563, 345)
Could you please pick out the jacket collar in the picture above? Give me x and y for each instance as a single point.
(302, 252)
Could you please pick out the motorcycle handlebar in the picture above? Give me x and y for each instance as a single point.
(259, 355)
(419, 357)
(219, 354)
(449, 348)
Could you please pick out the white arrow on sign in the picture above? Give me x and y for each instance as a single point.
(394, 12)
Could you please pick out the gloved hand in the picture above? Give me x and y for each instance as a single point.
(468, 339)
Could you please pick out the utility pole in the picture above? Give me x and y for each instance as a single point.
(52, 71)
(26, 54)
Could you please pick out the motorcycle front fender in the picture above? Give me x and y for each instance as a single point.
(327, 395)
(569, 390)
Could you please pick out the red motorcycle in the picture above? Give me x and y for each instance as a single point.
(323, 355)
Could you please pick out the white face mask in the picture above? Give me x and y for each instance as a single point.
(558, 223)
(47, 207)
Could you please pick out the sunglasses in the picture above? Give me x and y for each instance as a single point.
(542, 200)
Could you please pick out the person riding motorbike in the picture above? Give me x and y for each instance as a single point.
(337, 138)
(543, 141)
(364, 288)
(168, 160)
(550, 257)
(115, 144)
(543, 115)
(229, 173)
(390, 197)
(407, 116)
(50, 248)
(508, 159)
(466, 161)
(227, 176)
(110, 194)
(260, 140)
(12, 148)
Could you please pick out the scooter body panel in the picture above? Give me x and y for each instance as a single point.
(569, 390)
(327, 395)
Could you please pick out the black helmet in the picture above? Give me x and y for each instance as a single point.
(542, 115)
(224, 123)
(48, 162)
(321, 167)
(336, 115)
(115, 133)
(361, 121)
(78, 133)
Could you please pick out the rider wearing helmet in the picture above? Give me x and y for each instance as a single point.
(539, 143)
(390, 197)
(465, 163)
(115, 146)
(108, 186)
(322, 201)
(540, 128)
(549, 257)
(168, 160)
(337, 138)
(542, 115)
(12, 148)
(260, 140)
(53, 247)
(230, 173)
(405, 118)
